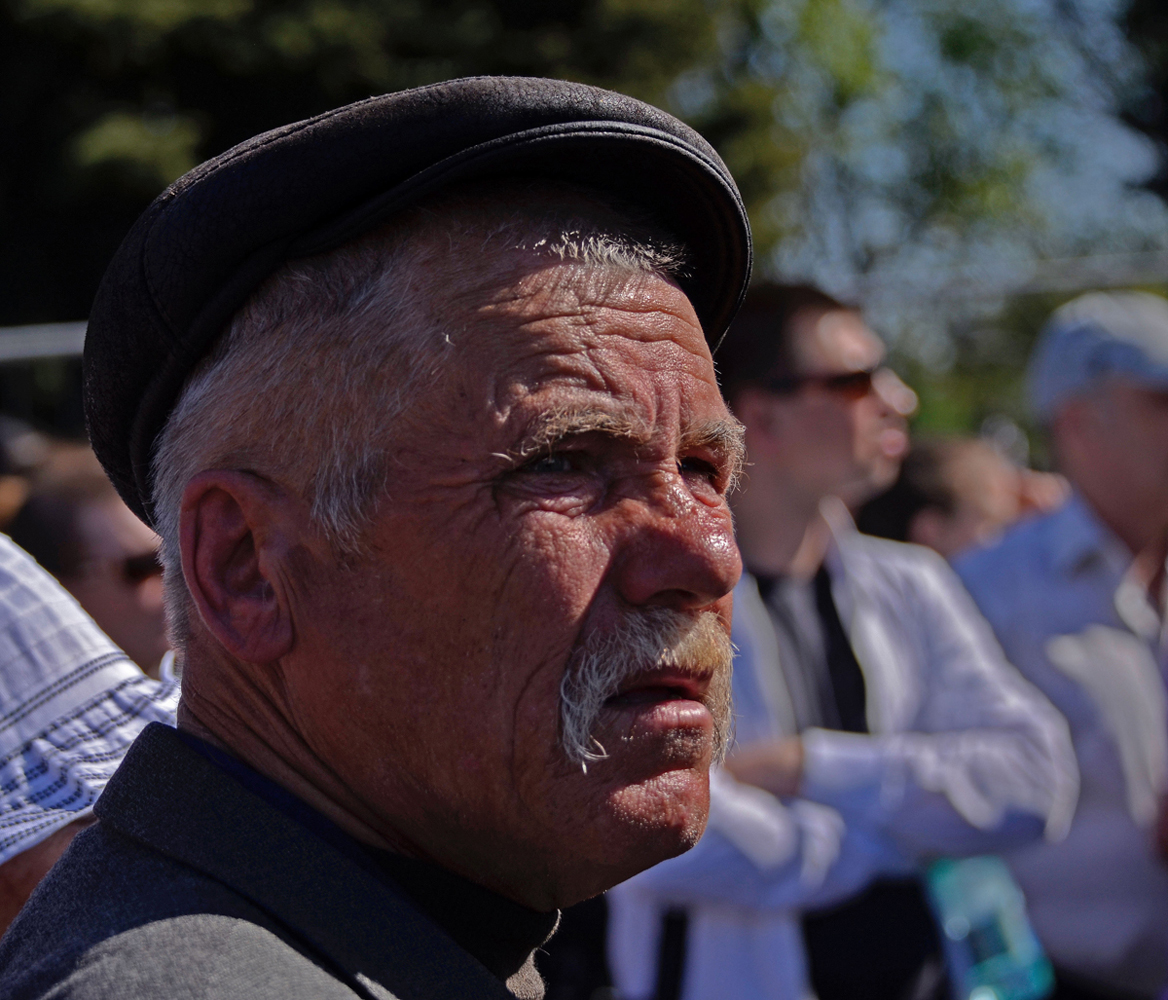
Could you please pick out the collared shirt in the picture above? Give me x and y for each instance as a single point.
(818, 665)
(1055, 590)
(71, 703)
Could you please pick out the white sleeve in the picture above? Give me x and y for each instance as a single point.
(764, 855)
(988, 761)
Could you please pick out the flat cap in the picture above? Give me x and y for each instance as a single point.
(1098, 336)
(210, 239)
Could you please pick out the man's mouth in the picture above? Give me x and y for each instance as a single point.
(661, 675)
(658, 687)
(893, 443)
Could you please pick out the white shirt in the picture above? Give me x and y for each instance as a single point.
(1056, 592)
(71, 703)
(964, 757)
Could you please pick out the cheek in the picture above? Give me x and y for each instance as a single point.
(558, 565)
(867, 423)
(819, 431)
(532, 600)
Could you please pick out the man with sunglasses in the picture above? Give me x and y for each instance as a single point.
(77, 527)
(878, 723)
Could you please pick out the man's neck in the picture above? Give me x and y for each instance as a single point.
(778, 527)
(249, 726)
(312, 783)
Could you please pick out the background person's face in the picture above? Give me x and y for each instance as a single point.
(119, 582)
(1121, 442)
(1138, 444)
(836, 443)
(496, 553)
(987, 493)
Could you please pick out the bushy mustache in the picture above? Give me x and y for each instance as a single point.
(645, 640)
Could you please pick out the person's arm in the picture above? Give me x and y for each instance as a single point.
(776, 765)
(21, 874)
(989, 762)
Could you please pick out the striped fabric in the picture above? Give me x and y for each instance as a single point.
(71, 703)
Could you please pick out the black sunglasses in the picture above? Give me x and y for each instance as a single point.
(135, 569)
(850, 385)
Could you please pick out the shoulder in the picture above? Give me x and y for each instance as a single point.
(197, 956)
(117, 919)
(882, 562)
(1023, 552)
(915, 587)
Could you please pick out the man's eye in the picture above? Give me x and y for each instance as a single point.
(550, 465)
(699, 467)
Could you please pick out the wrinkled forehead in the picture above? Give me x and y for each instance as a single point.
(583, 318)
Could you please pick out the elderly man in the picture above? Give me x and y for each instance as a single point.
(1076, 598)
(418, 395)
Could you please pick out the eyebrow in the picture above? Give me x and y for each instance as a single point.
(555, 427)
(725, 437)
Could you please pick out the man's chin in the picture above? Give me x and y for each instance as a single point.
(663, 816)
(637, 826)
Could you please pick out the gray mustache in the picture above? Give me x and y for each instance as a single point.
(654, 638)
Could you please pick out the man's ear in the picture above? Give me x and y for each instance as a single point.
(237, 533)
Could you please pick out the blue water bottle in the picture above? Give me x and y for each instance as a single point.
(990, 947)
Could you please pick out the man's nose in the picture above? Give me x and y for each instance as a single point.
(676, 551)
(893, 393)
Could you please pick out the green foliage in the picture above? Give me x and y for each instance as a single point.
(103, 102)
(983, 376)
(161, 147)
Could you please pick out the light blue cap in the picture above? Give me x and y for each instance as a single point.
(1095, 337)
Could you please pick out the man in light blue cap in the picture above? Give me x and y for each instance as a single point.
(1077, 600)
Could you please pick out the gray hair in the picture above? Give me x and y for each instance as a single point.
(305, 384)
(645, 641)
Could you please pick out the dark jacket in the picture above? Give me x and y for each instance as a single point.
(193, 886)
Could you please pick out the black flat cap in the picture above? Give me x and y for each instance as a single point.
(210, 239)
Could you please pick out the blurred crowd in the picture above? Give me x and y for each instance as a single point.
(965, 767)
(73, 698)
(950, 767)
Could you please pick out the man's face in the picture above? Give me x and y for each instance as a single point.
(840, 439)
(562, 481)
(1129, 447)
(119, 582)
(987, 491)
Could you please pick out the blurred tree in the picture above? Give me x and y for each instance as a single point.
(103, 102)
(922, 146)
(1146, 24)
(975, 131)
(864, 134)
